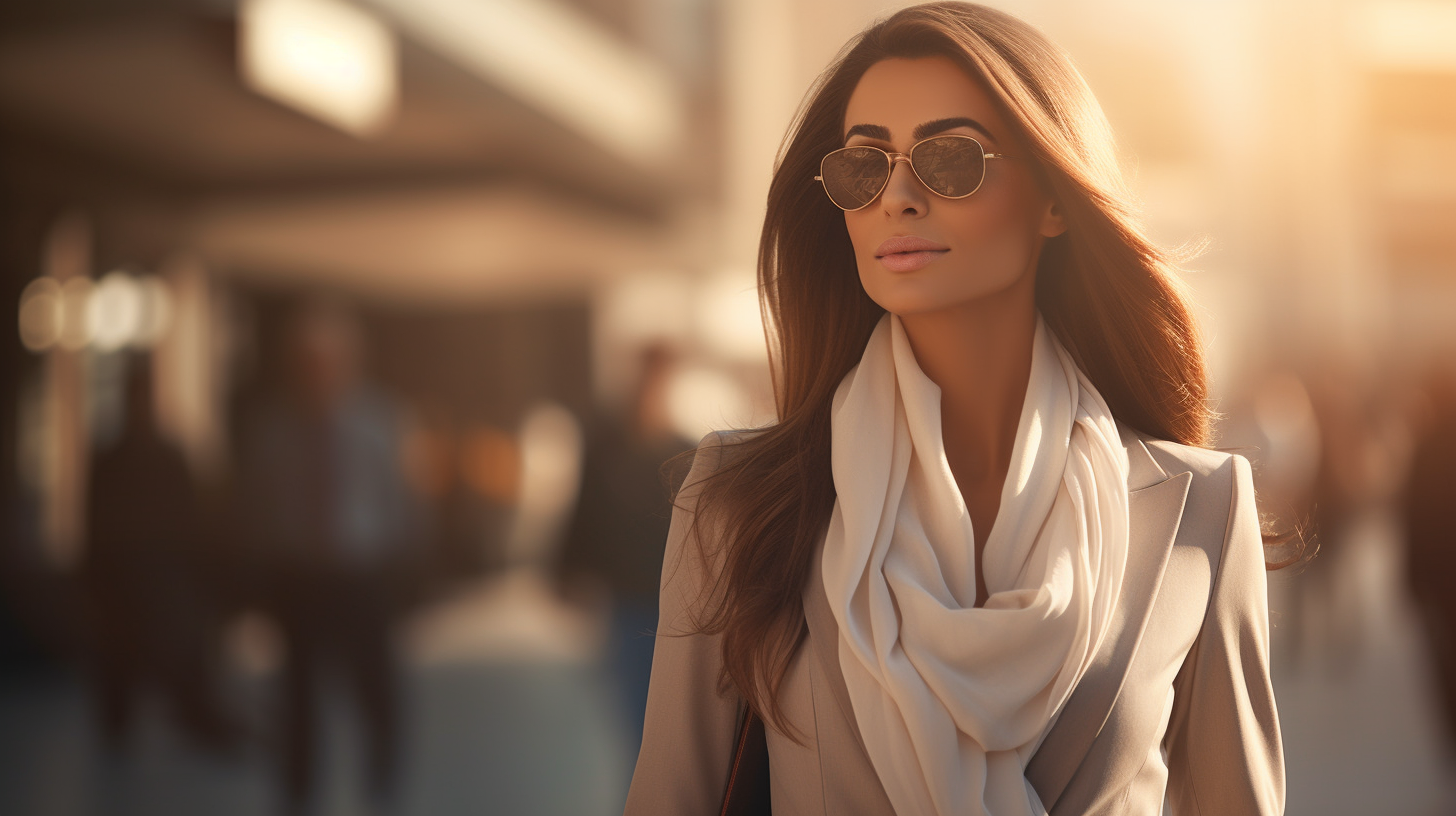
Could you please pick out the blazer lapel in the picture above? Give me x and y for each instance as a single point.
(1155, 508)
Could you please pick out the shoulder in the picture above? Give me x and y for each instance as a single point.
(1216, 475)
(694, 556)
(714, 450)
(1220, 487)
(1203, 463)
(1220, 514)
(729, 438)
(718, 447)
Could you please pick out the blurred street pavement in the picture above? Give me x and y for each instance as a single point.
(522, 725)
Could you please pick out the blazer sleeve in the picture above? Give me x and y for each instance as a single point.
(1223, 745)
(688, 733)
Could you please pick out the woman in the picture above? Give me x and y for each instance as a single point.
(983, 563)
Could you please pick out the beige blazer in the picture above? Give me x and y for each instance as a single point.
(1177, 703)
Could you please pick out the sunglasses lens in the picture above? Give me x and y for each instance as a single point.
(854, 176)
(952, 166)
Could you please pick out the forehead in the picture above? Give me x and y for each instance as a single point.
(901, 93)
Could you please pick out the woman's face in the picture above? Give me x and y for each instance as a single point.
(983, 246)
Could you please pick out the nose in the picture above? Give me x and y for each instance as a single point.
(903, 192)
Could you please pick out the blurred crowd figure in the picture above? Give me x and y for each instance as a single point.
(1429, 509)
(1330, 441)
(152, 614)
(332, 529)
(617, 534)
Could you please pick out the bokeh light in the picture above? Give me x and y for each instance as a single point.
(40, 314)
(115, 311)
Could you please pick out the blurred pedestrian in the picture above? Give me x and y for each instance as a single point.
(334, 529)
(617, 532)
(1430, 498)
(152, 619)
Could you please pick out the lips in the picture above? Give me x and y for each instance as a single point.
(908, 243)
(908, 253)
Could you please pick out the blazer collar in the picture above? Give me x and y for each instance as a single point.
(1155, 507)
(1143, 470)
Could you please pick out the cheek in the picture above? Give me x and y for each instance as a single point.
(1014, 216)
(998, 239)
(859, 234)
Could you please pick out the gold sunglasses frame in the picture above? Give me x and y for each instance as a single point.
(895, 158)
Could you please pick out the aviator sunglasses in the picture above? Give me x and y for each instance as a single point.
(951, 166)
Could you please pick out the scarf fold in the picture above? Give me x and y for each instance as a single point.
(953, 700)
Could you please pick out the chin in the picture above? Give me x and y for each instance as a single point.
(908, 295)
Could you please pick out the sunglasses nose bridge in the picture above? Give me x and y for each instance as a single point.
(895, 159)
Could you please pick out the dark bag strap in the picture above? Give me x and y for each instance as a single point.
(748, 791)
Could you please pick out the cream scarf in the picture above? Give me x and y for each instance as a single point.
(953, 700)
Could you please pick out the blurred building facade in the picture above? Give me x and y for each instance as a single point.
(474, 221)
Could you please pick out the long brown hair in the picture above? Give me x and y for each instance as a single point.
(1102, 286)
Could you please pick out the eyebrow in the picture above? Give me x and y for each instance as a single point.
(882, 133)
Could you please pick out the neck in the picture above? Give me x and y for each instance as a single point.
(980, 357)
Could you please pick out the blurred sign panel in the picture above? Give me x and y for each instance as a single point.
(1408, 34)
(556, 59)
(481, 242)
(326, 58)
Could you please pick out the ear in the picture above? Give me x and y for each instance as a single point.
(1052, 222)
